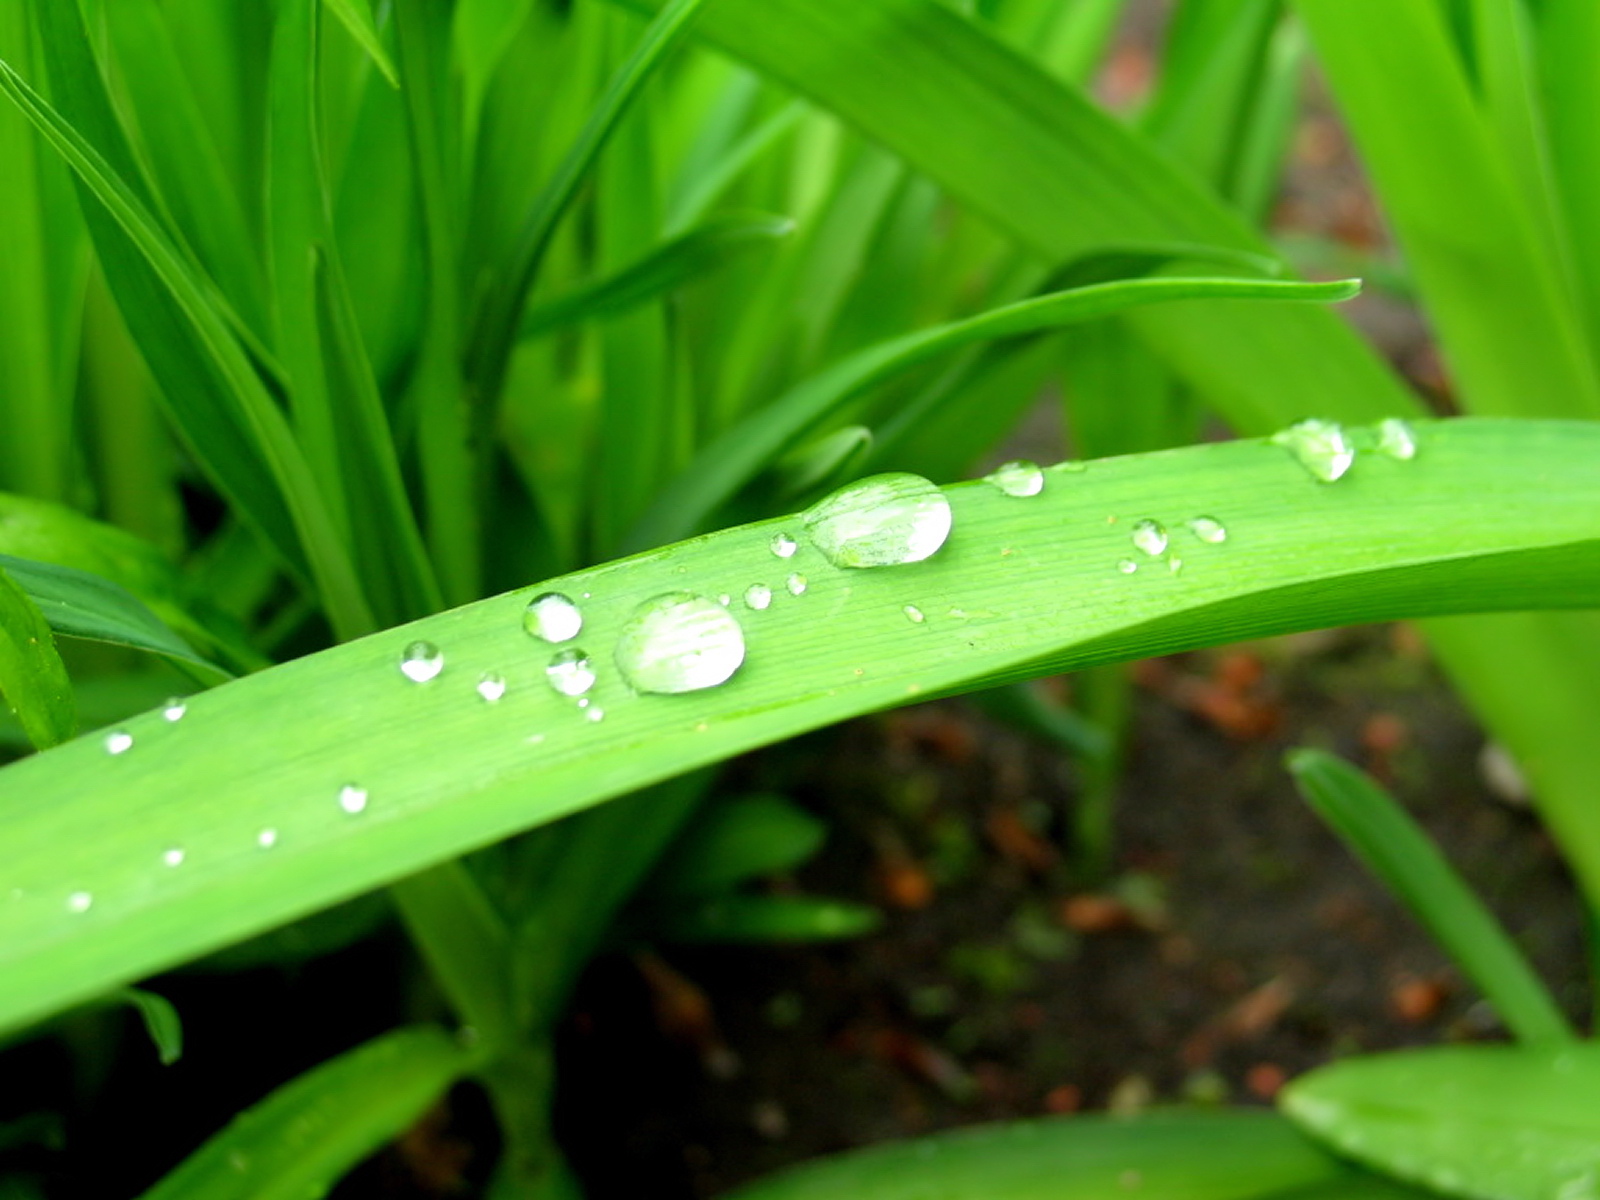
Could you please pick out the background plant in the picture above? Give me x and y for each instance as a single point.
(435, 306)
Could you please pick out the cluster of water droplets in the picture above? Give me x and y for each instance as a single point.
(1327, 450)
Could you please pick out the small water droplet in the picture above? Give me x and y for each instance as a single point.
(880, 521)
(595, 714)
(119, 741)
(1018, 478)
(267, 838)
(1209, 529)
(570, 672)
(1396, 439)
(421, 662)
(783, 545)
(552, 617)
(724, 599)
(679, 642)
(796, 584)
(913, 613)
(1127, 566)
(1321, 447)
(79, 902)
(757, 596)
(1174, 564)
(173, 856)
(174, 709)
(1150, 537)
(492, 686)
(352, 798)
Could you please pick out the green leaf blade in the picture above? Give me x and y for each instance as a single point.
(33, 679)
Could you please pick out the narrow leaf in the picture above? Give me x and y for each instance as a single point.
(1022, 587)
(356, 16)
(1395, 848)
(297, 1142)
(161, 1022)
(33, 680)
(760, 918)
(733, 459)
(1488, 1122)
(737, 840)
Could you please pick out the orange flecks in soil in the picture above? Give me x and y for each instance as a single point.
(1011, 836)
(910, 1053)
(904, 884)
(1063, 1098)
(1248, 1017)
(683, 1014)
(1265, 1080)
(1235, 698)
(1095, 912)
(1416, 1000)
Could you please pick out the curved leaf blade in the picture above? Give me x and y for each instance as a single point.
(299, 1140)
(1490, 1122)
(1023, 587)
(33, 679)
(732, 460)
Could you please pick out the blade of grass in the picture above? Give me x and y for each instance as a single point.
(1567, 43)
(763, 919)
(33, 679)
(1024, 587)
(312, 1130)
(731, 460)
(1395, 849)
(356, 17)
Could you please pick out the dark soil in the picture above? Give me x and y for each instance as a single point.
(1236, 944)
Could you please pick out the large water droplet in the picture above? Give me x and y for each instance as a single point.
(880, 521)
(913, 614)
(1321, 447)
(79, 902)
(570, 673)
(1209, 529)
(352, 798)
(679, 642)
(783, 545)
(491, 686)
(757, 596)
(1396, 439)
(552, 617)
(174, 709)
(796, 584)
(173, 856)
(1018, 478)
(1150, 537)
(119, 741)
(421, 661)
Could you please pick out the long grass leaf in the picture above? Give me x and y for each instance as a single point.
(1408, 862)
(732, 460)
(1023, 587)
(33, 679)
(302, 1137)
(356, 16)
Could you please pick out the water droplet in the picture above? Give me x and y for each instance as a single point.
(173, 856)
(880, 521)
(595, 714)
(1174, 564)
(119, 741)
(783, 545)
(267, 838)
(79, 902)
(1396, 439)
(679, 642)
(1018, 478)
(421, 662)
(796, 584)
(757, 596)
(352, 798)
(174, 709)
(492, 686)
(724, 599)
(570, 673)
(1127, 566)
(1209, 529)
(913, 613)
(1150, 537)
(552, 617)
(1321, 447)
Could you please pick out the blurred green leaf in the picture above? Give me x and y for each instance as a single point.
(161, 1022)
(33, 680)
(296, 1143)
(739, 917)
(738, 839)
(356, 16)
